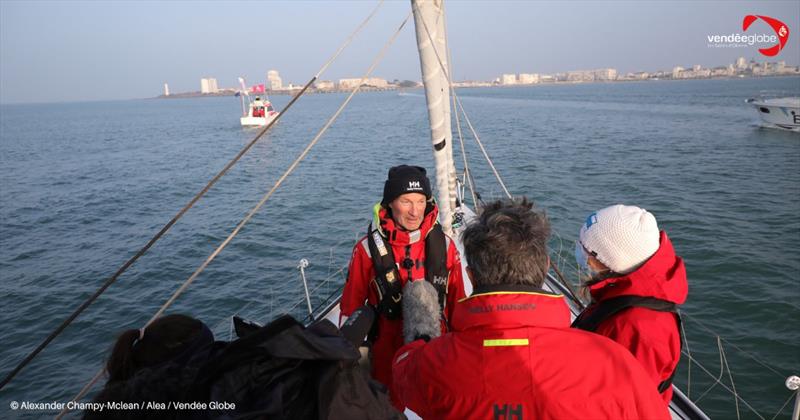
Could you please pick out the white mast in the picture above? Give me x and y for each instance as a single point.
(429, 22)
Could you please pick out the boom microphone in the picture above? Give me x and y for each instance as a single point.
(421, 311)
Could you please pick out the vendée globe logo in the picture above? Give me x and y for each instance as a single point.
(738, 40)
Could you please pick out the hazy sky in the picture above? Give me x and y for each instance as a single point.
(53, 51)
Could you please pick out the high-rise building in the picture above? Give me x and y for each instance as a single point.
(275, 82)
(166, 89)
(509, 79)
(605, 74)
(208, 85)
(528, 78)
(346, 84)
(741, 63)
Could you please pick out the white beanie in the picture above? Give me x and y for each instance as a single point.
(621, 237)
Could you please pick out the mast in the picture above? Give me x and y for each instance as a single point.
(429, 23)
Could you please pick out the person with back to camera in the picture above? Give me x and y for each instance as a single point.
(511, 353)
(405, 242)
(636, 283)
(174, 369)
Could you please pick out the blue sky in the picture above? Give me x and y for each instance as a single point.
(53, 51)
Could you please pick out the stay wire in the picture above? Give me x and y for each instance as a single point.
(255, 209)
(750, 355)
(466, 117)
(180, 214)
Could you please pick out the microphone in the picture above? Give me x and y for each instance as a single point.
(421, 311)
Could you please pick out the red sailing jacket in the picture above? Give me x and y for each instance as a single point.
(651, 336)
(512, 355)
(360, 286)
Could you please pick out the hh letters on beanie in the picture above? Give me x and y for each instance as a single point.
(405, 179)
(621, 237)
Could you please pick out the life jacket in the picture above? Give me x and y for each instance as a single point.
(591, 320)
(387, 276)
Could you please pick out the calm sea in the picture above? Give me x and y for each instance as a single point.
(83, 186)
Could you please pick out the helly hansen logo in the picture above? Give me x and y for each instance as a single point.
(507, 412)
(414, 185)
(439, 280)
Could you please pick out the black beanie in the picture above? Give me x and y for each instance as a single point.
(405, 179)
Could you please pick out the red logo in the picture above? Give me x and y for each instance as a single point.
(779, 27)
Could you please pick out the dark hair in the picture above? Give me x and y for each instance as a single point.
(507, 244)
(164, 339)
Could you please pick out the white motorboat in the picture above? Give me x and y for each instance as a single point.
(781, 113)
(260, 112)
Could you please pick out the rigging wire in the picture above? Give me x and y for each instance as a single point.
(718, 382)
(467, 172)
(263, 200)
(466, 117)
(186, 208)
(730, 376)
(752, 356)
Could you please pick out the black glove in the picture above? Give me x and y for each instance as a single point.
(358, 325)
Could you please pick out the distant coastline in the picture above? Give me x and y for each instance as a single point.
(460, 85)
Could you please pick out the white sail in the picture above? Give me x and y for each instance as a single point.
(429, 22)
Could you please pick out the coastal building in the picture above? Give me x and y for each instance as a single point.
(741, 63)
(376, 82)
(528, 78)
(546, 78)
(274, 80)
(677, 72)
(605, 75)
(508, 79)
(324, 85)
(348, 84)
(166, 89)
(208, 85)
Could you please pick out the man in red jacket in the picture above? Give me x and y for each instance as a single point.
(404, 243)
(636, 283)
(511, 353)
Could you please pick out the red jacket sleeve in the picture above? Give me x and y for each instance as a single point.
(650, 336)
(356, 287)
(455, 284)
(405, 375)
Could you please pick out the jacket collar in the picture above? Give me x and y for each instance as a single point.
(510, 306)
(397, 236)
(663, 276)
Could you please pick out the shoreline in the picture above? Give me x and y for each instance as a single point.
(457, 85)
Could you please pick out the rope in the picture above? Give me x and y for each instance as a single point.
(466, 117)
(180, 214)
(483, 149)
(467, 173)
(263, 200)
(97, 376)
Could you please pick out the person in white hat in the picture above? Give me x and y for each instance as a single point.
(636, 282)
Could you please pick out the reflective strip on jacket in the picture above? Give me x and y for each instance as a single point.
(512, 355)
